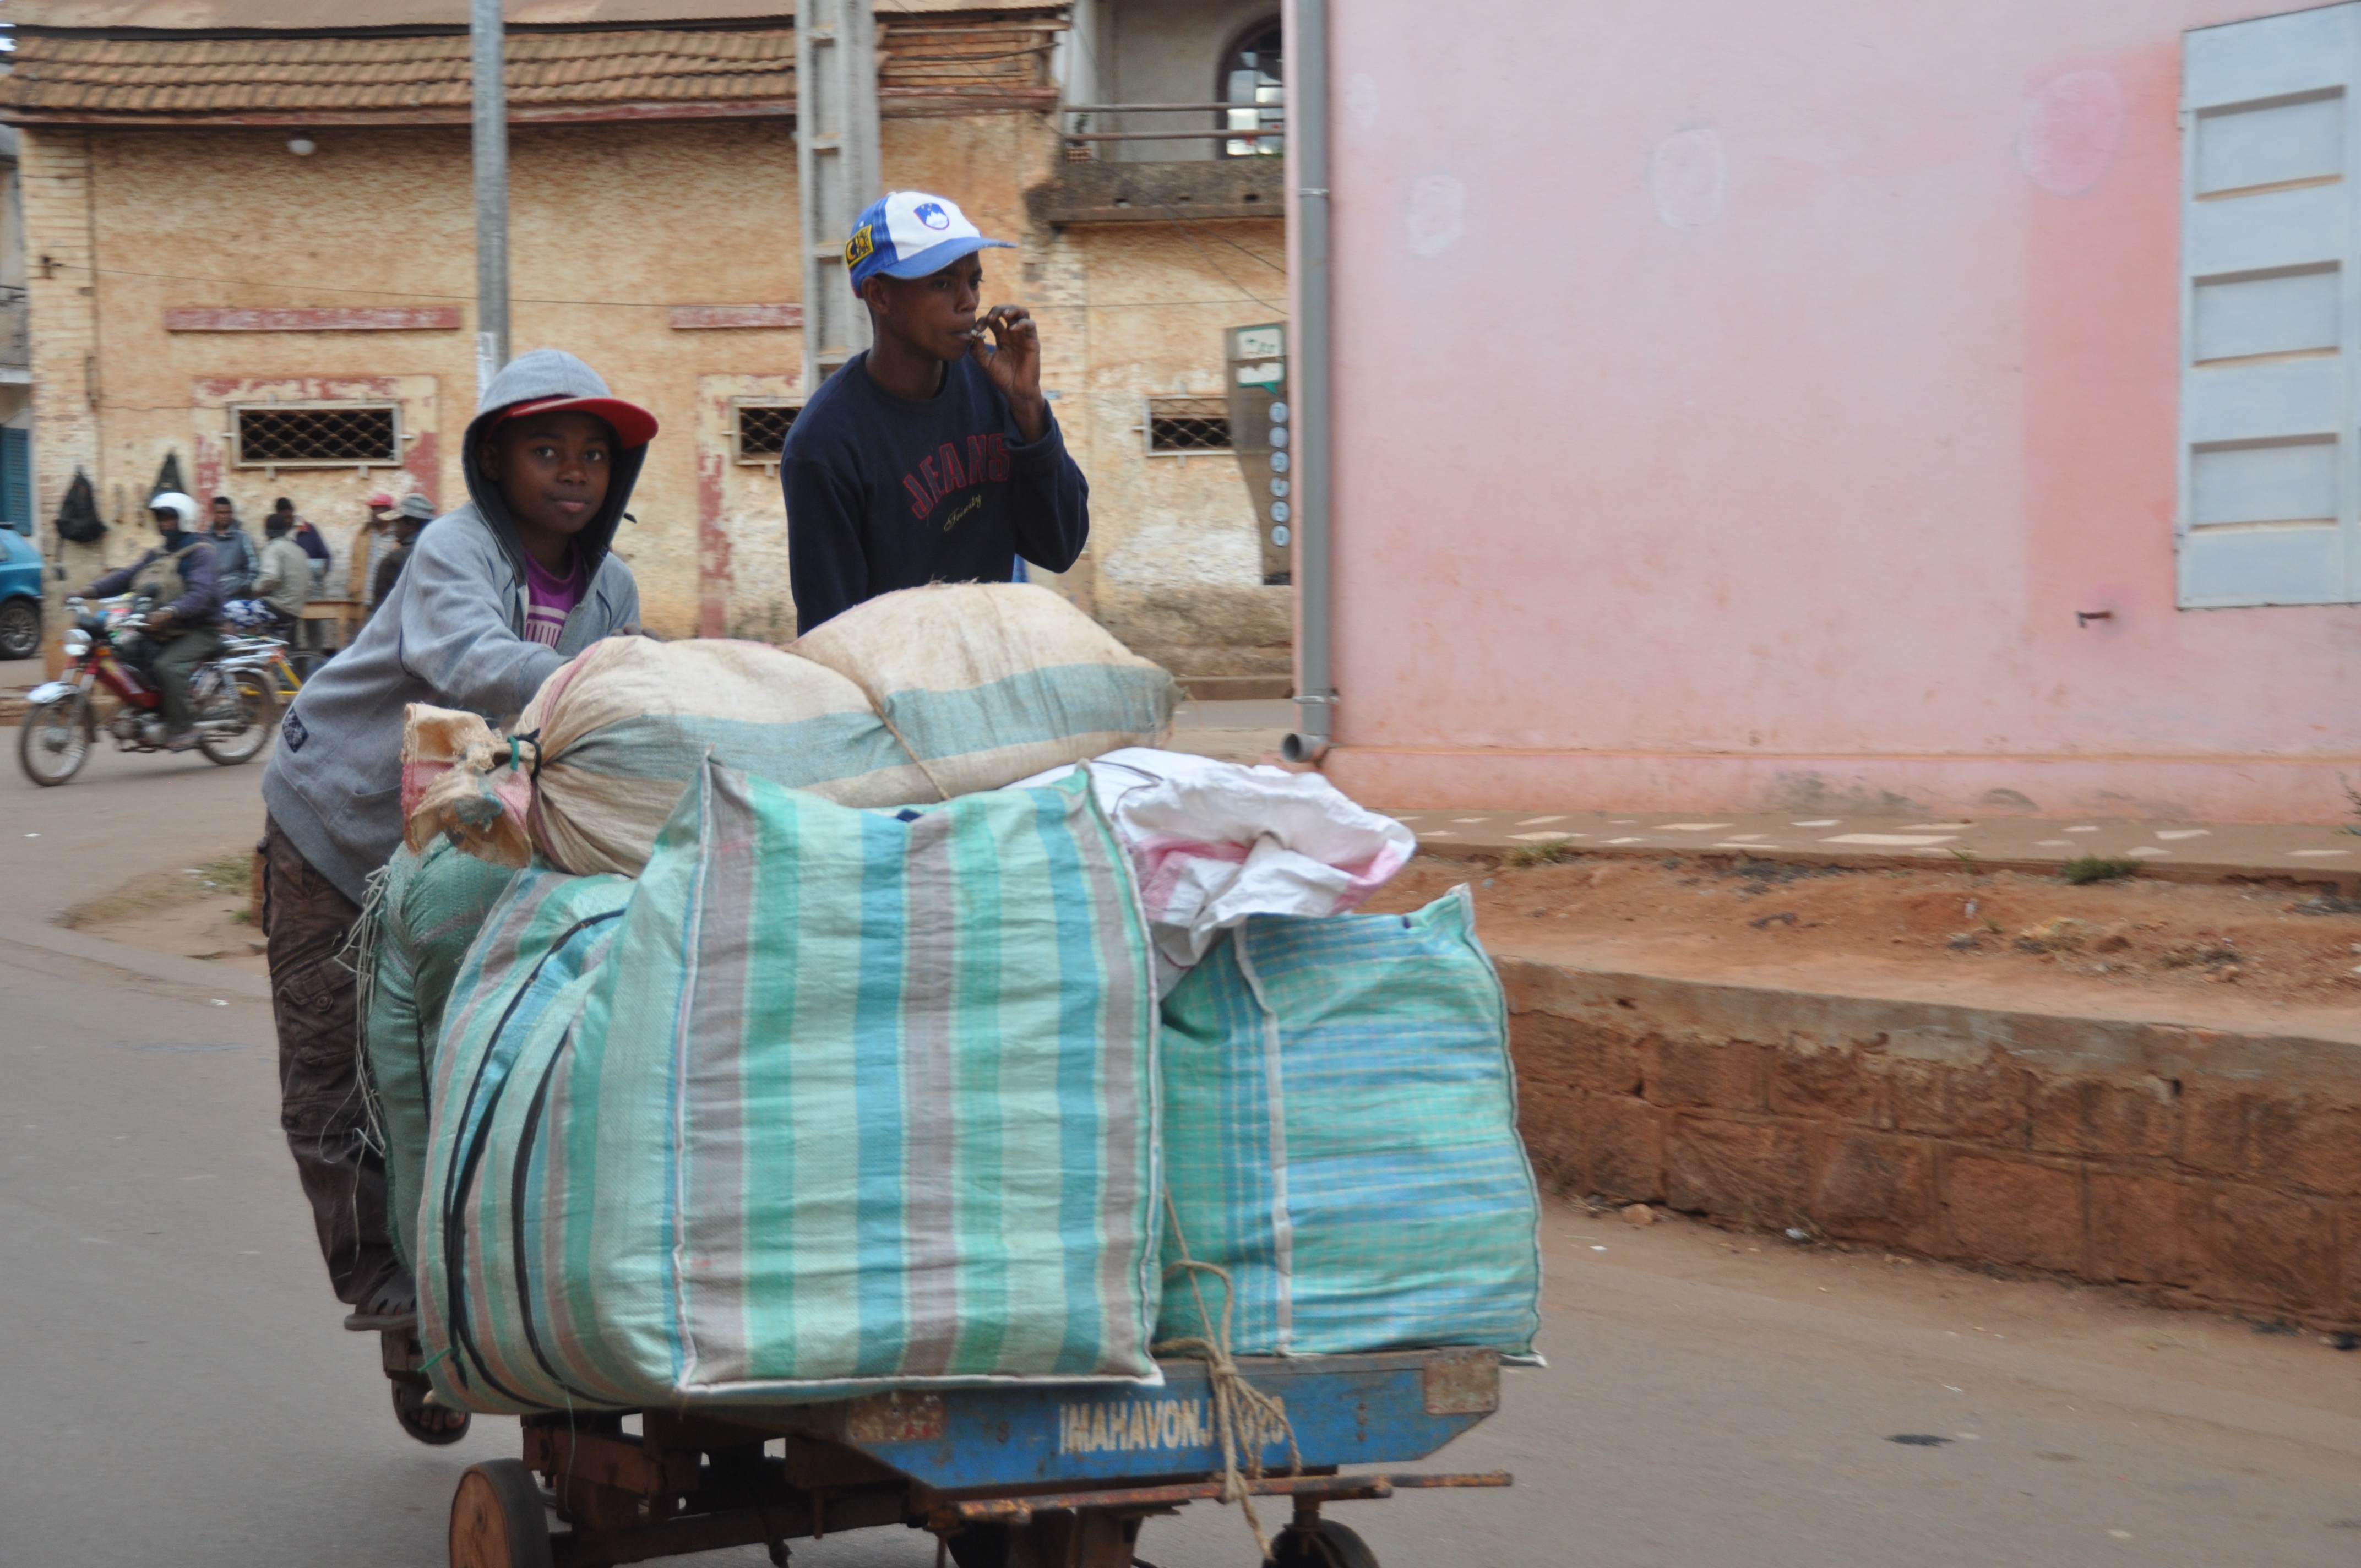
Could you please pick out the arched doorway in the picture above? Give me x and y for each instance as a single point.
(1251, 76)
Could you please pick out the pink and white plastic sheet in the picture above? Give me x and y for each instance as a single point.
(1213, 842)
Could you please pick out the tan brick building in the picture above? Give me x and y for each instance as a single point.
(249, 244)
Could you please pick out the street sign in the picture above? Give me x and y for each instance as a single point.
(1262, 430)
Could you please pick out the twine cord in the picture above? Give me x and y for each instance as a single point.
(1235, 1401)
(913, 753)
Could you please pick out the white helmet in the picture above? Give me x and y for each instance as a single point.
(174, 501)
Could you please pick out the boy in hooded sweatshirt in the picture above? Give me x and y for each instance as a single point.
(497, 596)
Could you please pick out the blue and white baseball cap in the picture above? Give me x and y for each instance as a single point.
(909, 233)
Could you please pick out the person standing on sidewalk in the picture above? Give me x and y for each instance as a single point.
(550, 465)
(932, 456)
(285, 583)
(414, 513)
(307, 538)
(234, 555)
(375, 541)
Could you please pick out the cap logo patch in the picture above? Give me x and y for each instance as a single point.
(931, 214)
(859, 248)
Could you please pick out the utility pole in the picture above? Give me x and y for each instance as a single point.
(489, 64)
(837, 170)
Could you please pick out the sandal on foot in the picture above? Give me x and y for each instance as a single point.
(393, 1306)
(438, 1425)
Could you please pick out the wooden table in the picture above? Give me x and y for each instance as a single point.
(347, 613)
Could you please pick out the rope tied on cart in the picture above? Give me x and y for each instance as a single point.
(912, 753)
(1242, 1413)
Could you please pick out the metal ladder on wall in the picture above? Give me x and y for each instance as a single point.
(837, 170)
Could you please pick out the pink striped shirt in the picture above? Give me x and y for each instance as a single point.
(550, 598)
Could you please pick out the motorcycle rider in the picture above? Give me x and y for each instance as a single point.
(183, 627)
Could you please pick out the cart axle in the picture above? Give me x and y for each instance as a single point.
(1305, 1488)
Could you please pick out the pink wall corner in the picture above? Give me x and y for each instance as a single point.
(1736, 403)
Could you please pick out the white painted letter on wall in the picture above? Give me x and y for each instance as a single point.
(1436, 213)
(2070, 130)
(1689, 176)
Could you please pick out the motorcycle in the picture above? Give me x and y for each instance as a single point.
(234, 694)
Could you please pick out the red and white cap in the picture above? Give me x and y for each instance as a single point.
(634, 427)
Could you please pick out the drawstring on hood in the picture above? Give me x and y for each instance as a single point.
(530, 378)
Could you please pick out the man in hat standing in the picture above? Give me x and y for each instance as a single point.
(414, 513)
(932, 456)
(380, 543)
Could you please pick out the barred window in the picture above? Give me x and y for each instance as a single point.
(1188, 424)
(323, 435)
(762, 430)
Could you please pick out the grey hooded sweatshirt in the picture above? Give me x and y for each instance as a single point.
(451, 633)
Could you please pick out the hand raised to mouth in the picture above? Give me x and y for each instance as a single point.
(1013, 360)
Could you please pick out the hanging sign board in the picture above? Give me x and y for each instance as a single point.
(1262, 430)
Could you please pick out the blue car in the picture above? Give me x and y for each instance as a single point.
(20, 595)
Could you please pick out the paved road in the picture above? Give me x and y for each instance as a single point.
(178, 1391)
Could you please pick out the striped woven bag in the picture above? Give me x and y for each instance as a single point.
(830, 1099)
(1341, 1136)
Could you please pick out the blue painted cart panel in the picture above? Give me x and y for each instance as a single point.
(1346, 1410)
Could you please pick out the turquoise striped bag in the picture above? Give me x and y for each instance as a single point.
(828, 1101)
(1341, 1136)
(423, 911)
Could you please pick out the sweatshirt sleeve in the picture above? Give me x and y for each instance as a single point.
(456, 635)
(1053, 500)
(200, 573)
(827, 567)
(106, 585)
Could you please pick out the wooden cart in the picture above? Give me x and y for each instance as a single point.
(1057, 1476)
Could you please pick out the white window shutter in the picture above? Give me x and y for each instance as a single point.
(2270, 476)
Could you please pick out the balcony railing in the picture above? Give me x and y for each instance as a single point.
(1235, 130)
(16, 349)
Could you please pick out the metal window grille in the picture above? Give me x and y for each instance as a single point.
(323, 435)
(761, 433)
(1188, 424)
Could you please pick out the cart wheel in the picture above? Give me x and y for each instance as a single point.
(410, 1408)
(498, 1519)
(1326, 1545)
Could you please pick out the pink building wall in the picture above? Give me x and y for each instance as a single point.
(1736, 402)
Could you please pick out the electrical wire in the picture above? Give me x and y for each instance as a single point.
(1277, 267)
(1217, 267)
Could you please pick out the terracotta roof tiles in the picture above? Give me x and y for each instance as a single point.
(197, 79)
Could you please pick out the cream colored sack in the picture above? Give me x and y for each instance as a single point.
(908, 699)
(599, 757)
(989, 683)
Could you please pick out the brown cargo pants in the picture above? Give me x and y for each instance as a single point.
(306, 921)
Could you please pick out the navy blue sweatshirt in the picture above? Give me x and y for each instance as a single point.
(886, 492)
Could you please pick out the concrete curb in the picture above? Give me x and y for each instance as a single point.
(195, 975)
(2211, 1166)
(2320, 856)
